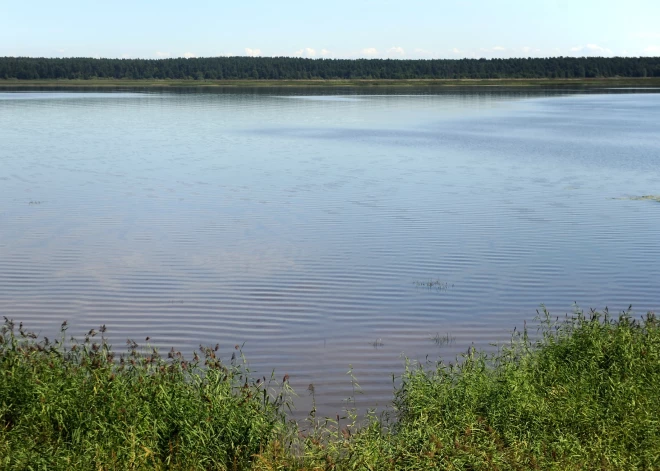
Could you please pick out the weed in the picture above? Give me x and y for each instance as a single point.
(434, 284)
(442, 340)
(655, 198)
(581, 393)
(74, 404)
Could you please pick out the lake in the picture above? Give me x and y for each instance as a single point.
(326, 228)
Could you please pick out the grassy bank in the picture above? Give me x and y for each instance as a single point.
(585, 394)
(75, 405)
(147, 83)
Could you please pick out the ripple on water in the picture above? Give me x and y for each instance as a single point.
(299, 224)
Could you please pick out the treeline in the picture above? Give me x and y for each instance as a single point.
(291, 68)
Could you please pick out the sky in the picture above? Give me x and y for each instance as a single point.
(339, 29)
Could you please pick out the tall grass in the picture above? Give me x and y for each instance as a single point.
(581, 393)
(74, 405)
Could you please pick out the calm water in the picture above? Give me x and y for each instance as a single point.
(298, 221)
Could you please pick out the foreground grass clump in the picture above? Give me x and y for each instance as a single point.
(73, 405)
(584, 395)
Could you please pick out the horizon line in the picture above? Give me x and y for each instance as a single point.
(331, 58)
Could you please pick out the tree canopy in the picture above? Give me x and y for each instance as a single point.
(291, 68)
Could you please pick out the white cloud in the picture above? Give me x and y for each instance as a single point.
(369, 51)
(597, 48)
(305, 52)
(455, 51)
(499, 48)
(530, 51)
(591, 49)
(125, 56)
(162, 54)
(189, 55)
(396, 51)
(325, 53)
(252, 52)
(652, 49)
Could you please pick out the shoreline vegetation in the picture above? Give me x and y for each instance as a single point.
(582, 392)
(646, 82)
(295, 71)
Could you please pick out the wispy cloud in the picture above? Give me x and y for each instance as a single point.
(306, 52)
(252, 52)
(189, 55)
(530, 51)
(325, 53)
(162, 54)
(396, 51)
(499, 48)
(369, 51)
(592, 49)
(652, 49)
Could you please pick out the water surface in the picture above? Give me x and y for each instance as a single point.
(302, 222)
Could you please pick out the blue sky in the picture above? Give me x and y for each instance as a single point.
(339, 29)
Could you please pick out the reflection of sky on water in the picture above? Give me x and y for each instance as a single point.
(37, 95)
(299, 226)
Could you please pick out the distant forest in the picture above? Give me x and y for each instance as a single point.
(283, 68)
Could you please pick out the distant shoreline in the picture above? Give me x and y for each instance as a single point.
(653, 82)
